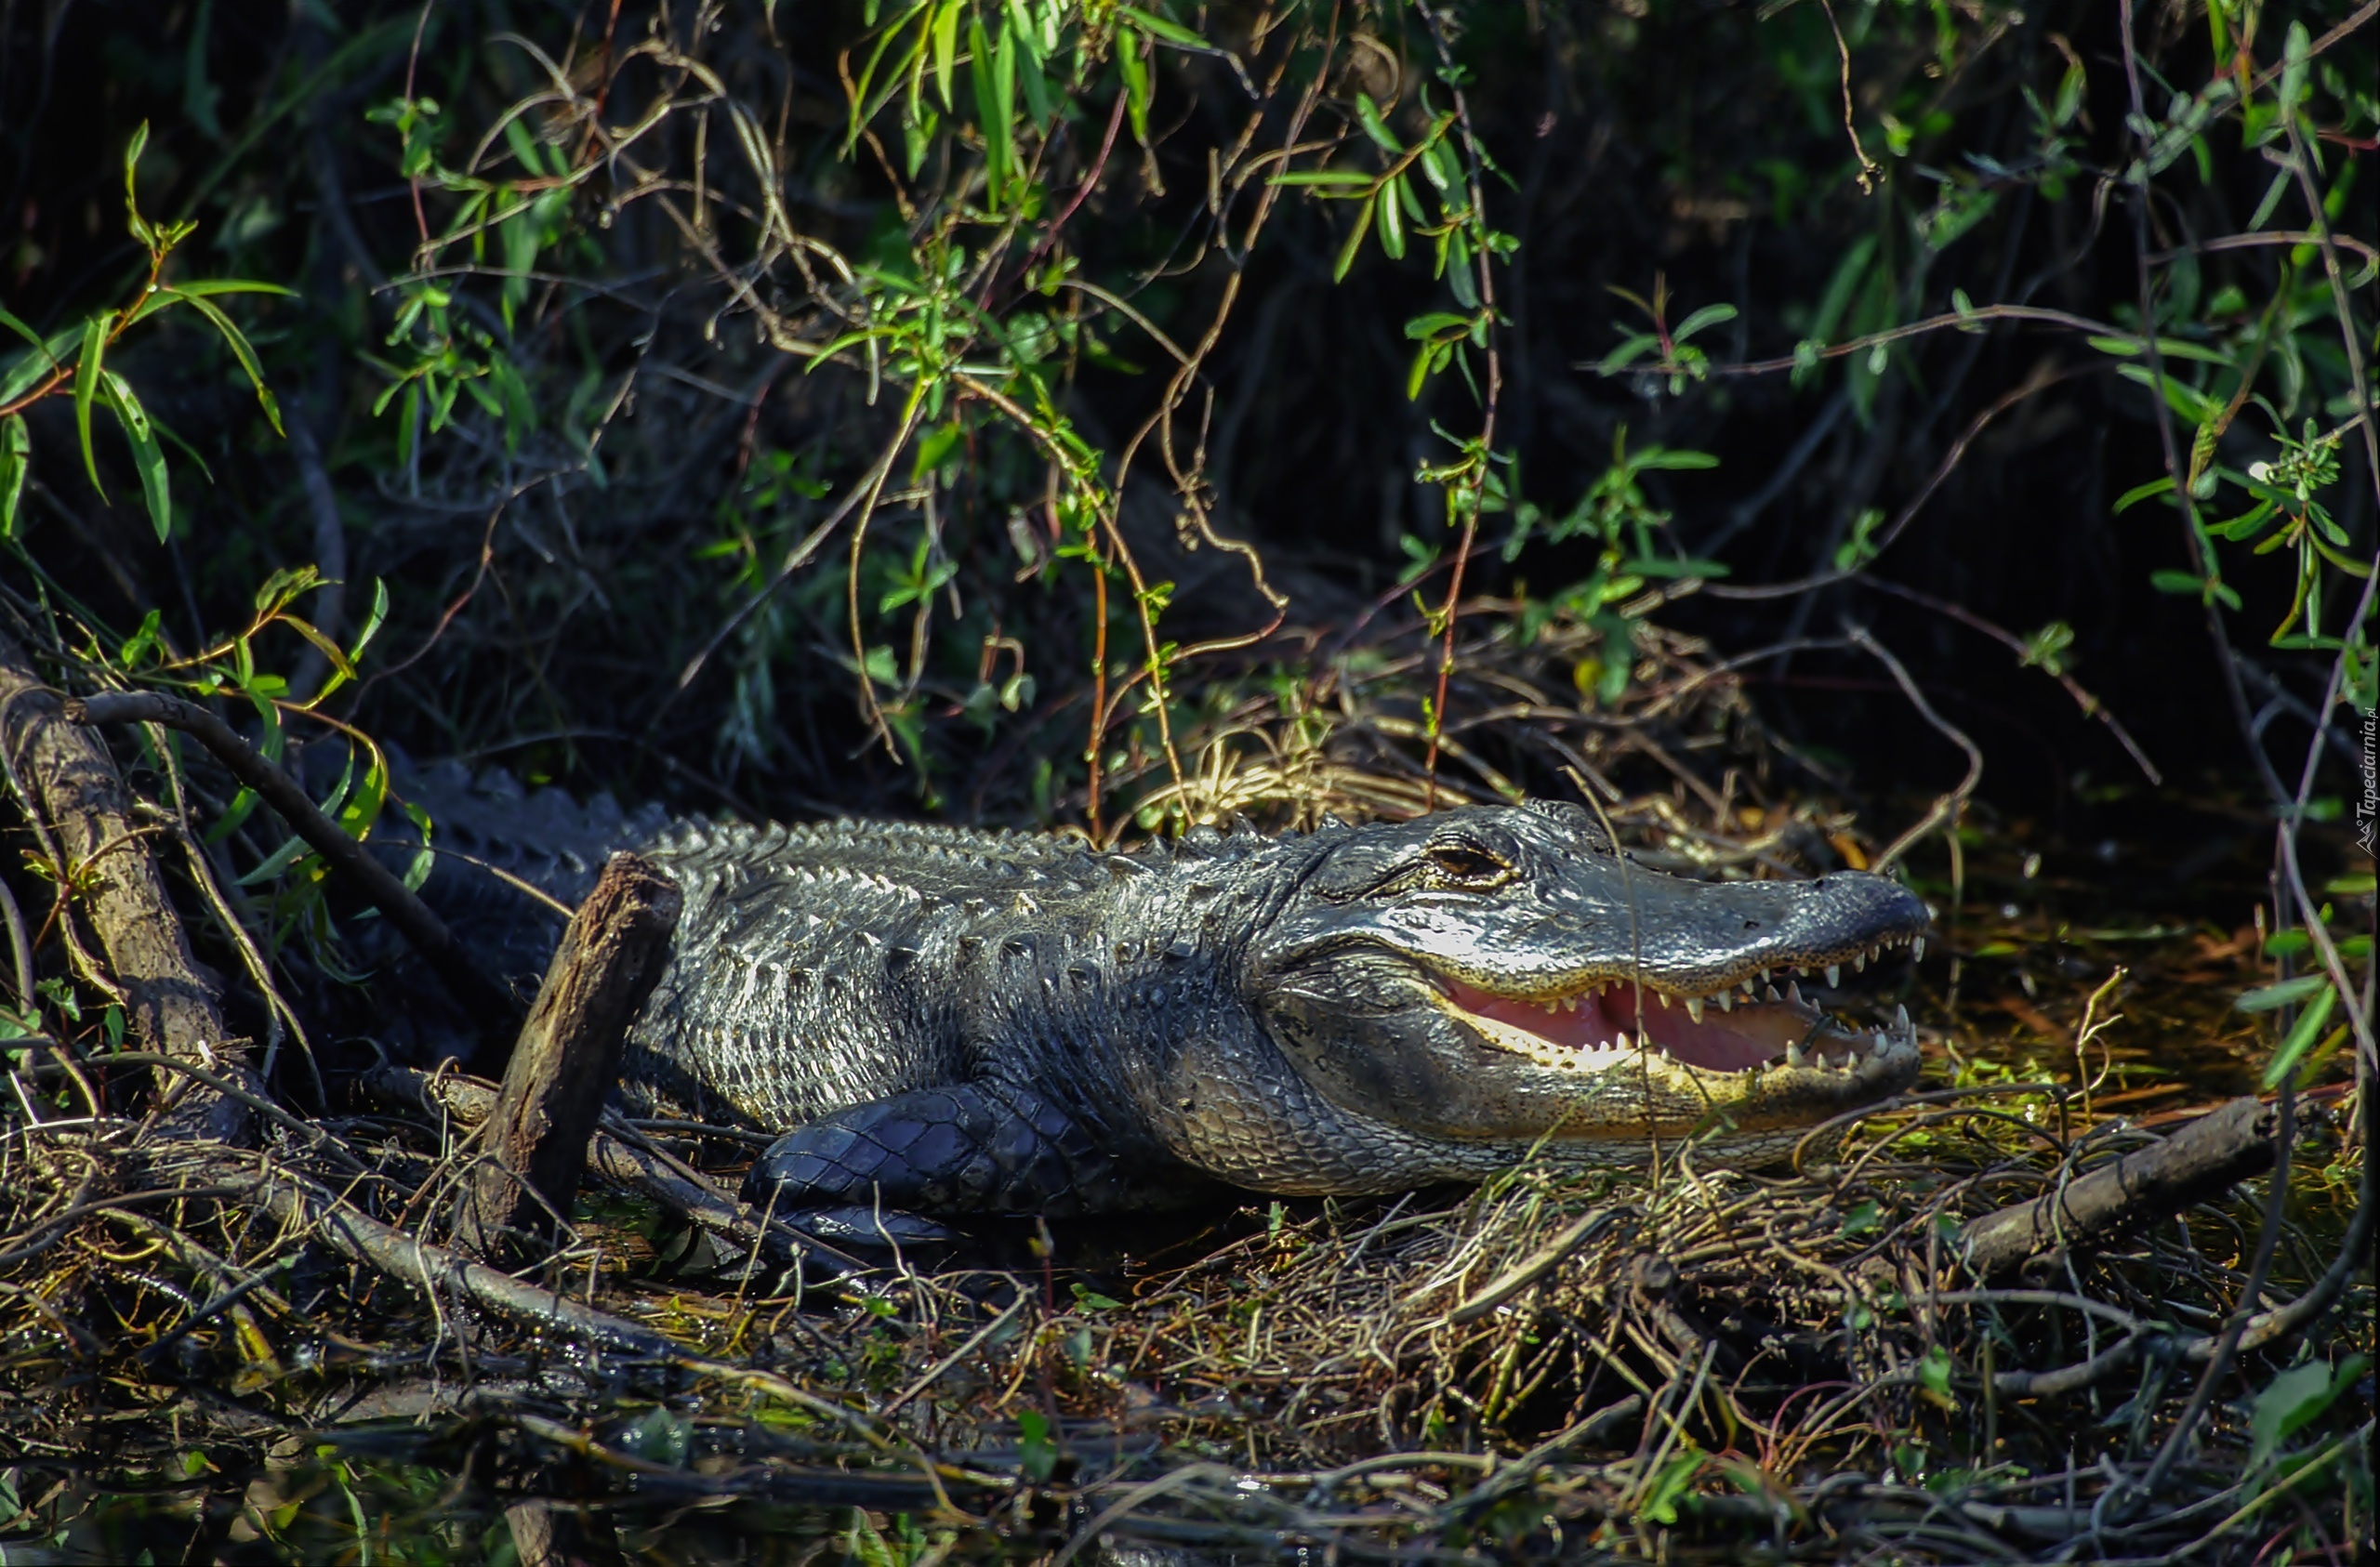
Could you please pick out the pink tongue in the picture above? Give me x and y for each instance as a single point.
(1586, 1029)
(1710, 1044)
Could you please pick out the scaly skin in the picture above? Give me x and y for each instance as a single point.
(948, 1021)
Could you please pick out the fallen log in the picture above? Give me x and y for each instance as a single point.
(82, 815)
(2229, 1145)
(568, 1058)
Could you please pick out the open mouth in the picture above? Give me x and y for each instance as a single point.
(1745, 1026)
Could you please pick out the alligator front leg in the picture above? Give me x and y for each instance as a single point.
(867, 1173)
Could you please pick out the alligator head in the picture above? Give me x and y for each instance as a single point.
(1500, 975)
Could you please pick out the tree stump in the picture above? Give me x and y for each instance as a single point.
(568, 1059)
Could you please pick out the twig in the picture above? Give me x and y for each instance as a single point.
(1945, 806)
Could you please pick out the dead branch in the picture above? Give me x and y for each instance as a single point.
(482, 997)
(71, 784)
(568, 1056)
(436, 1270)
(2209, 1154)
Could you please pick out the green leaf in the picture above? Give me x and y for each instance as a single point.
(2295, 1398)
(371, 622)
(148, 458)
(2182, 398)
(1323, 176)
(1708, 315)
(16, 461)
(945, 46)
(133, 221)
(21, 329)
(1367, 115)
(1354, 238)
(2301, 1038)
(275, 862)
(2140, 493)
(363, 808)
(1934, 1376)
(1135, 71)
(2270, 998)
(209, 286)
(1634, 347)
(238, 343)
(1839, 288)
(42, 360)
(1668, 457)
(1157, 27)
(993, 73)
(87, 386)
(1391, 227)
(1036, 1454)
(425, 857)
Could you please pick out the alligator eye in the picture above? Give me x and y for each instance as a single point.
(1467, 863)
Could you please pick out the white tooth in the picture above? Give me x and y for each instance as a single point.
(1900, 1024)
(1793, 993)
(1793, 1054)
(1726, 1001)
(1859, 963)
(1878, 1048)
(1833, 976)
(1665, 1000)
(1917, 950)
(1773, 996)
(1694, 1007)
(1764, 976)
(1748, 991)
(1621, 1043)
(1552, 1007)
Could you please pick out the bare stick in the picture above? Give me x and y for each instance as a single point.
(356, 1236)
(2203, 1157)
(70, 783)
(491, 1005)
(569, 1053)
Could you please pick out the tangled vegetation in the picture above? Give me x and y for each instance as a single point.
(1116, 417)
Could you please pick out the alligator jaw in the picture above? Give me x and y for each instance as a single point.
(1609, 1022)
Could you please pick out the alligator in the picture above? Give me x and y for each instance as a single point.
(932, 1021)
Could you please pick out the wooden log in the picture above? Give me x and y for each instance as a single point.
(172, 1005)
(568, 1056)
(494, 1006)
(2227, 1145)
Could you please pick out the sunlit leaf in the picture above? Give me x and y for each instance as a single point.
(1355, 239)
(148, 458)
(16, 461)
(86, 388)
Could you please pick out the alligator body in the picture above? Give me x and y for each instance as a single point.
(948, 1021)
